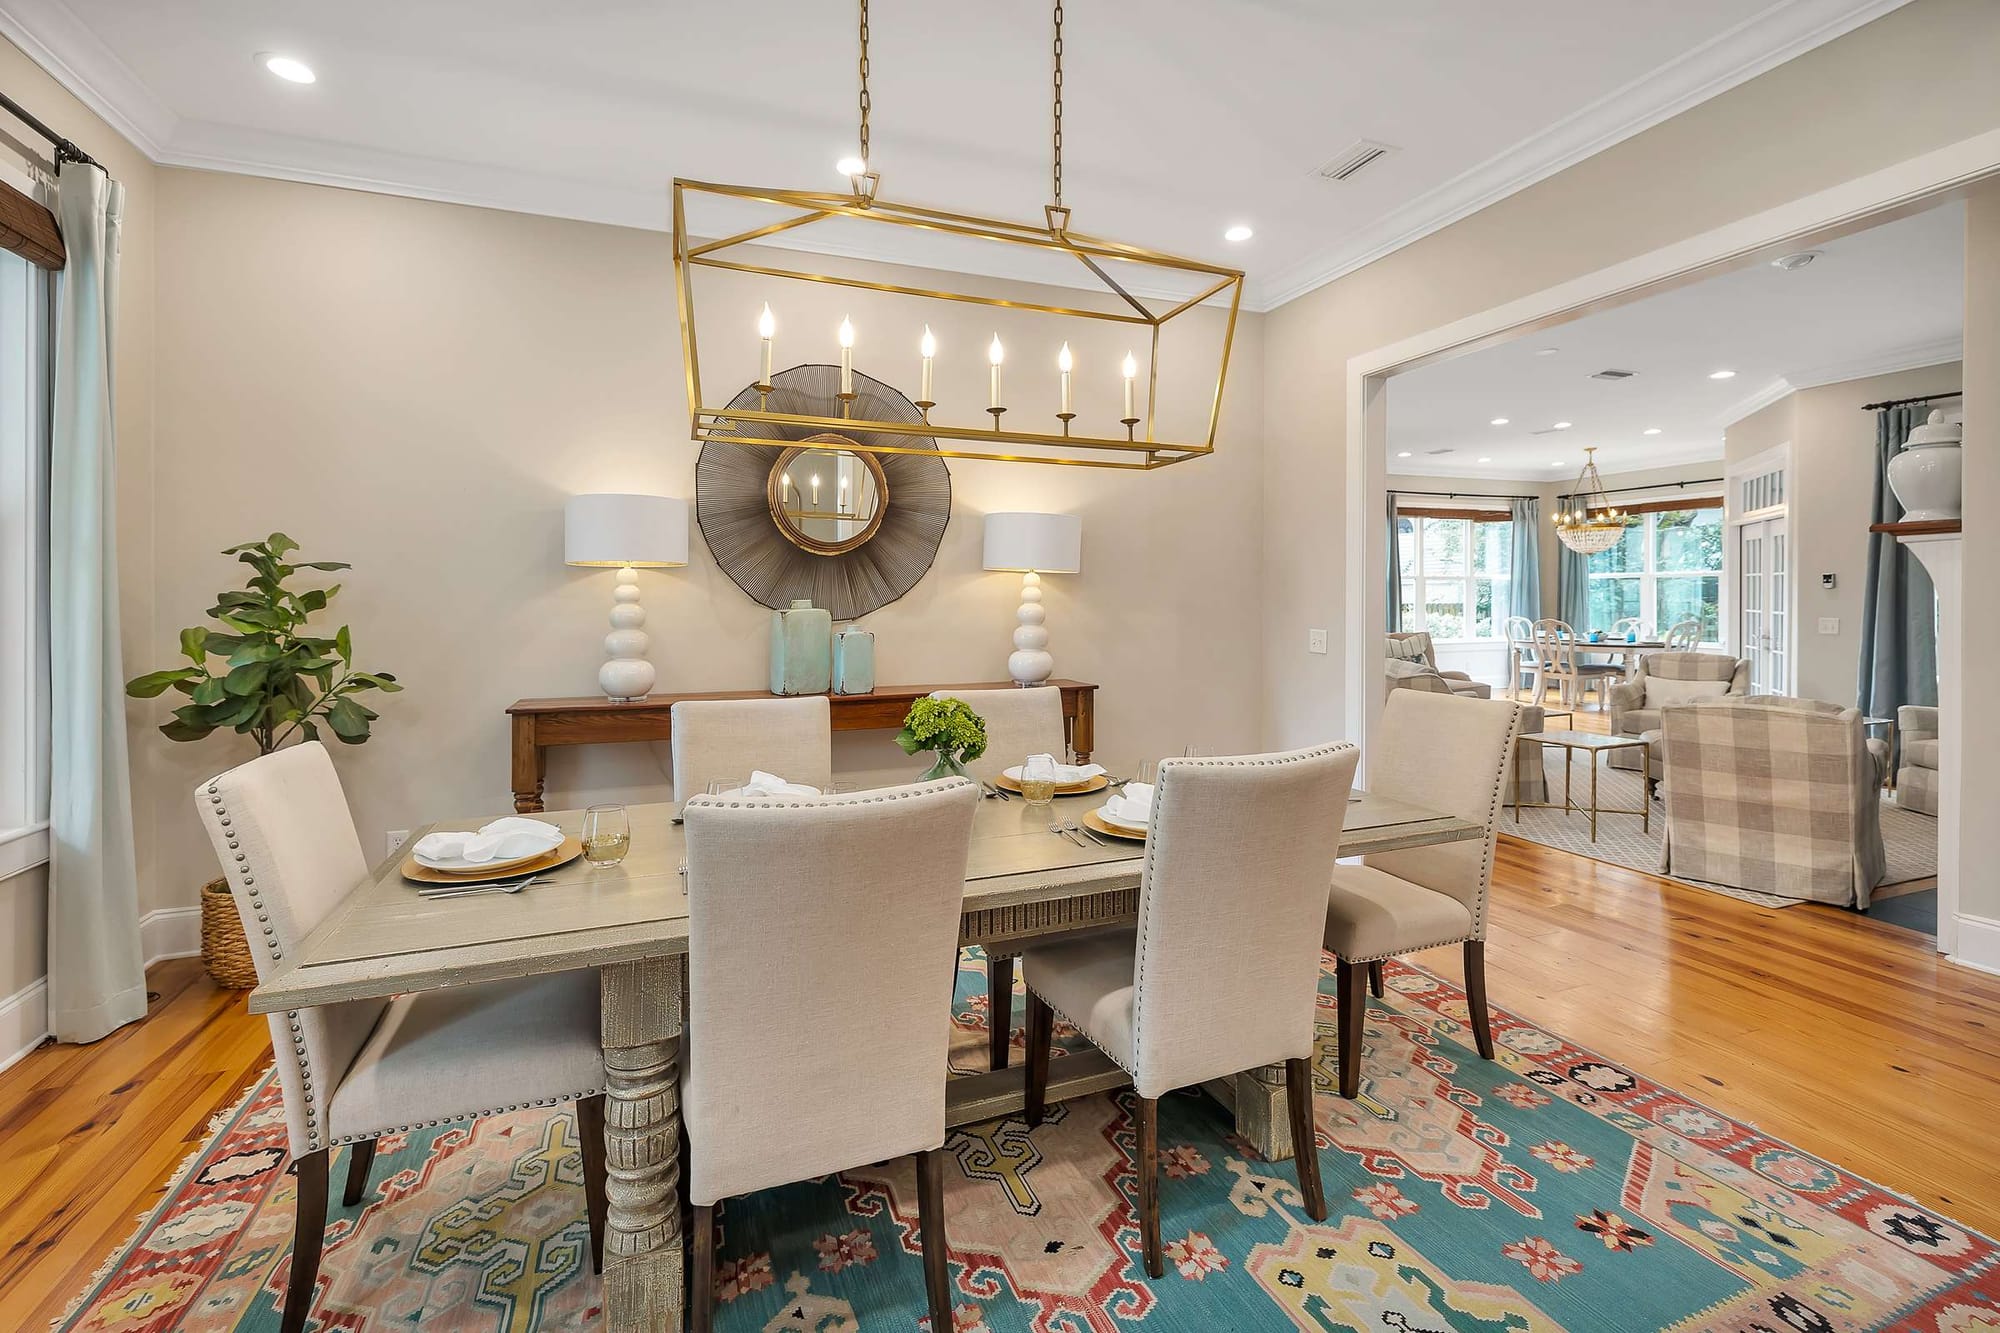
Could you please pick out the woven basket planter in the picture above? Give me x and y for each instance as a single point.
(225, 950)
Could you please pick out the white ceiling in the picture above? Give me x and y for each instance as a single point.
(1182, 116)
(1890, 298)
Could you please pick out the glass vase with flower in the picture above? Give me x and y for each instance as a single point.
(949, 730)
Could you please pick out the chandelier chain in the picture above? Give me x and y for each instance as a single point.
(866, 103)
(1058, 88)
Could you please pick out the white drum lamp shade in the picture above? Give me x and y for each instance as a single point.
(1034, 544)
(626, 533)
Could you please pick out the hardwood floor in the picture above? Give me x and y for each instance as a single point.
(1846, 1036)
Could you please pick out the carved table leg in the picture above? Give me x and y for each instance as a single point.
(530, 766)
(643, 1266)
(1263, 1117)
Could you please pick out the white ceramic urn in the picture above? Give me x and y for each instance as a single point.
(1926, 474)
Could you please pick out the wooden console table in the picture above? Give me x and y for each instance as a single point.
(542, 724)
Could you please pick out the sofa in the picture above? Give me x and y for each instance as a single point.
(1415, 646)
(1774, 794)
(1917, 779)
(1664, 678)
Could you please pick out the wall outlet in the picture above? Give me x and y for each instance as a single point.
(1316, 641)
(397, 837)
(1829, 624)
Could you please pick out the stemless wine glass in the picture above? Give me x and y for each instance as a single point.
(1038, 779)
(606, 835)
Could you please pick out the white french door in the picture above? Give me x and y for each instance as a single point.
(1765, 595)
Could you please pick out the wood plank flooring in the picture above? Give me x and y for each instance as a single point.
(1848, 1037)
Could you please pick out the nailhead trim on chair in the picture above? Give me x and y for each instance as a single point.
(469, 1115)
(918, 791)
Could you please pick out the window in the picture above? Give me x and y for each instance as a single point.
(24, 424)
(1454, 566)
(1666, 568)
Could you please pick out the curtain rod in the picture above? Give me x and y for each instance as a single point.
(1465, 495)
(65, 150)
(1905, 402)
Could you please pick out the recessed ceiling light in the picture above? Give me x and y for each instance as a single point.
(1560, 425)
(1547, 351)
(288, 68)
(1558, 463)
(1404, 454)
(1650, 430)
(1722, 374)
(1795, 261)
(1485, 460)
(851, 166)
(1239, 232)
(1497, 421)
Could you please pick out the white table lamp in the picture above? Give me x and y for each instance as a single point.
(627, 533)
(1035, 544)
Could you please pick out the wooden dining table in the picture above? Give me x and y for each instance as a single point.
(1023, 883)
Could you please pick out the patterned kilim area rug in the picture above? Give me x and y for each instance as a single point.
(1909, 839)
(1549, 1190)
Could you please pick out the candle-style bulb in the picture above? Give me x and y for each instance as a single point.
(846, 333)
(1063, 362)
(996, 354)
(766, 326)
(1131, 367)
(928, 347)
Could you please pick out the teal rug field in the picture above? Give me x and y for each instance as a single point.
(1546, 1190)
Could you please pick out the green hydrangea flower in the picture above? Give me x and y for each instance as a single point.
(946, 726)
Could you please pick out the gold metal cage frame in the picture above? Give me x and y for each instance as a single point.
(1133, 450)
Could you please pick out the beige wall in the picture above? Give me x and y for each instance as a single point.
(1828, 496)
(416, 387)
(1833, 114)
(23, 899)
(1979, 840)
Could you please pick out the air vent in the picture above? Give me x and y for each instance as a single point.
(1614, 374)
(1364, 152)
(1547, 430)
(1435, 452)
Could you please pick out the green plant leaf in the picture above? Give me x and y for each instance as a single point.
(328, 565)
(308, 730)
(343, 643)
(155, 683)
(194, 644)
(280, 544)
(255, 650)
(348, 720)
(210, 691)
(248, 679)
(178, 730)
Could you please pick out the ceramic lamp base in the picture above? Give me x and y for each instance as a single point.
(1031, 663)
(626, 676)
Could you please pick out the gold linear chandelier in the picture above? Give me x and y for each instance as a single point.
(1590, 524)
(1132, 440)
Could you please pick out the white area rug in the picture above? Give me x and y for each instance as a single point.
(1910, 839)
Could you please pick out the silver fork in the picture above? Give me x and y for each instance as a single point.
(1091, 834)
(468, 890)
(1062, 830)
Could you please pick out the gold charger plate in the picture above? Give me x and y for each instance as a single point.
(572, 847)
(1092, 820)
(1084, 788)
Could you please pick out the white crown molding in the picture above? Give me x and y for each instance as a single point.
(1651, 459)
(77, 58)
(1766, 40)
(1916, 356)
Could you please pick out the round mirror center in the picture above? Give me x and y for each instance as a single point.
(826, 498)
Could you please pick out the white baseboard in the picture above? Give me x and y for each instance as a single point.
(1978, 943)
(24, 1021)
(24, 1015)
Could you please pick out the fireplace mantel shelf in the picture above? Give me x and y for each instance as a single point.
(1936, 527)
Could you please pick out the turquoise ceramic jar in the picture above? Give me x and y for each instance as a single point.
(801, 649)
(854, 661)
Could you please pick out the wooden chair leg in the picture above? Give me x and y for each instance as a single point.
(590, 1139)
(701, 1274)
(1041, 1036)
(1305, 1146)
(999, 1010)
(360, 1158)
(1351, 987)
(930, 1233)
(308, 1234)
(1475, 996)
(1375, 978)
(1149, 1184)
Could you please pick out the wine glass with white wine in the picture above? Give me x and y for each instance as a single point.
(607, 835)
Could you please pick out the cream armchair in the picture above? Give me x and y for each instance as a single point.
(1416, 646)
(1669, 678)
(1774, 794)
(1917, 779)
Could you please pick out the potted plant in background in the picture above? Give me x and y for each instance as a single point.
(949, 729)
(276, 683)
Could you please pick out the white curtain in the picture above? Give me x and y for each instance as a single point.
(97, 977)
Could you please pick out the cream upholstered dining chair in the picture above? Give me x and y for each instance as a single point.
(353, 1071)
(1221, 973)
(1019, 722)
(724, 739)
(1450, 755)
(837, 1057)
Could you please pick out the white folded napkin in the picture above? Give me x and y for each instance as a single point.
(770, 784)
(1134, 805)
(506, 839)
(1066, 774)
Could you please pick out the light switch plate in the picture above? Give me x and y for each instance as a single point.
(1316, 641)
(1829, 624)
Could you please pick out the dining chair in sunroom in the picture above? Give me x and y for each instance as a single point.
(1521, 654)
(1450, 755)
(1221, 972)
(1019, 722)
(1684, 636)
(725, 739)
(351, 1072)
(1567, 665)
(838, 1058)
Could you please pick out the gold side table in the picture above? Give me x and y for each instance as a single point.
(1594, 746)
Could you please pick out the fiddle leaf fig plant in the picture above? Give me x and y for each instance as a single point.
(275, 681)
